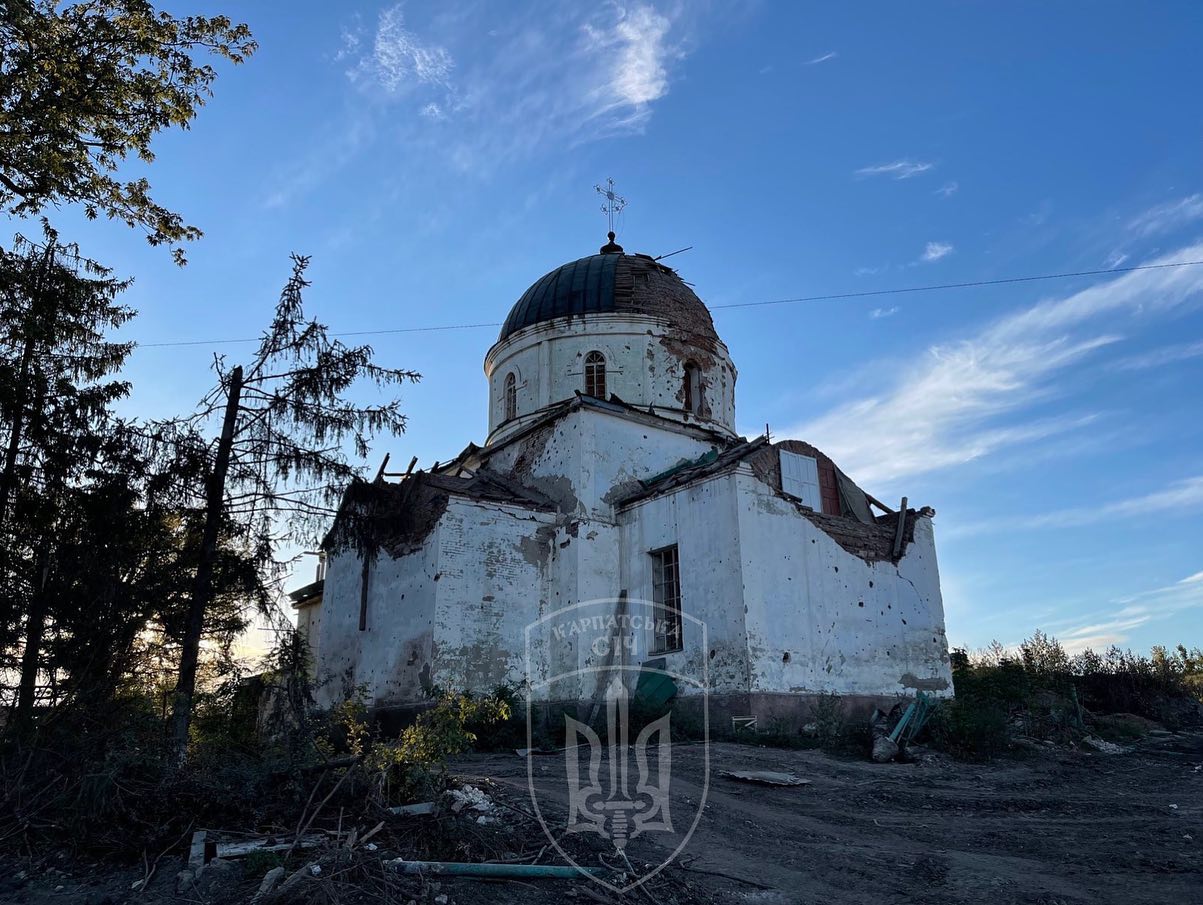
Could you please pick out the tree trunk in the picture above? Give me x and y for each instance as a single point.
(8, 476)
(35, 629)
(202, 589)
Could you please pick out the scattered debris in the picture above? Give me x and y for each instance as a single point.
(216, 877)
(914, 716)
(473, 799)
(766, 777)
(413, 810)
(196, 855)
(270, 880)
(230, 850)
(885, 749)
(743, 724)
(1104, 746)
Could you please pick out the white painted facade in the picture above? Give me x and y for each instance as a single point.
(794, 602)
(644, 367)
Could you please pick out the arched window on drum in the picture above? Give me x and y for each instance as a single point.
(510, 396)
(595, 375)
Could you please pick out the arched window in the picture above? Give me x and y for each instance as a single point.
(693, 388)
(595, 375)
(511, 396)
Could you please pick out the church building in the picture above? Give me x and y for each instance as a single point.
(612, 471)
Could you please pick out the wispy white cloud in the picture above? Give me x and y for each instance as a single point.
(1135, 611)
(933, 251)
(1183, 496)
(898, 169)
(551, 76)
(1168, 216)
(398, 57)
(638, 45)
(948, 189)
(831, 55)
(1160, 357)
(963, 400)
(879, 313)
(1115, 259)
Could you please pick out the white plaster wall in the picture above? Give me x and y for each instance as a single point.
(702, 520)
(588, 453)
(393, 656)
(492, 583)
(548, 362)
(309, 625)
(847, 625)
(766, 581)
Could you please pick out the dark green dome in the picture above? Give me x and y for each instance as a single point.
(610, 283)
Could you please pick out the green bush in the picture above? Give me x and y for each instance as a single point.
(1038, 690)
(827, 714)
(970, 729)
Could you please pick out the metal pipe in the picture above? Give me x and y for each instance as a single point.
(488, 869)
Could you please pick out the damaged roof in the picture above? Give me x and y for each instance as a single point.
(609, 284)
(713, 462)
(398, 515)
(855, 529)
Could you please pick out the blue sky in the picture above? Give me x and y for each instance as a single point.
(435, 159)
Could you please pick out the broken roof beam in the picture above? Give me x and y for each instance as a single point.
(900, 530)
(880, 505)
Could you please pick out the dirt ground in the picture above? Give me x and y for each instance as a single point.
(1053, 826)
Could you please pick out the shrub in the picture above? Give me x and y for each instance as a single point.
(1041, 691)
(827, 715)
(971, 729)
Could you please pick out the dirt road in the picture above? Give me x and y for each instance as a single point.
(1057, 826)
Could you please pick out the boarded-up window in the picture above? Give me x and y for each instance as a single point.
(800, 478)
(666, 597)
(693, 388)
(511, 396)
(595, 375)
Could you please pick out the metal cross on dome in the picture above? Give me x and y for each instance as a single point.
(614, 202)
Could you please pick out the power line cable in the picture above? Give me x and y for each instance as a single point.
(836, 296)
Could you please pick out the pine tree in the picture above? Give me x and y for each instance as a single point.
(56, 308)
(280, 461)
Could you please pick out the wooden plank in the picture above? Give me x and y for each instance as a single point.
(900, 530)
